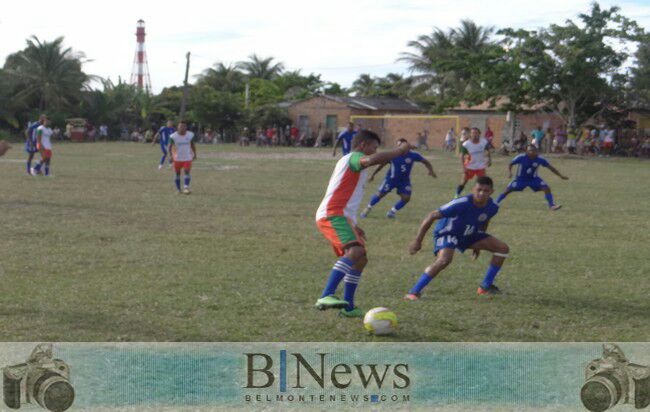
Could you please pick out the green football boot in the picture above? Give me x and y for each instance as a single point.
(354, 313)
(330, 302)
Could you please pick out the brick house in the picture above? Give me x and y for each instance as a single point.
(334, 112)
(501, 123)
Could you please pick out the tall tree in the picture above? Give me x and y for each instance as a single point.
(47, 75)
(639, 87)
(575, 68)
(364, 85)
(224, 78)
(261, 68)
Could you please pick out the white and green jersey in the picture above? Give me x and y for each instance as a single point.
(345, 189)
(183, 143)
(46, 136)
(476, 152)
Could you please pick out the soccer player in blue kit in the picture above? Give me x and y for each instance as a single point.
(346, 140)
(398, 177)
(527, 176)
(461, 225)
(165, 132)
(30, 142)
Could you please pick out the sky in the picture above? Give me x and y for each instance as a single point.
(339, 39)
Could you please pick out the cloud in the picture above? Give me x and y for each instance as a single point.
(339, 39)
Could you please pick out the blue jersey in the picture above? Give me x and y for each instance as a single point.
(400, 167)
(346, 140)
(527, 166)
(462, 218)
(31, 131)
(165, 132)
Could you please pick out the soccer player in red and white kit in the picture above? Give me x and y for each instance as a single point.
(475, 158)
(181, 146)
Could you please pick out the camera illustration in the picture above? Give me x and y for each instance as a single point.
(41, 379)
(613, 379)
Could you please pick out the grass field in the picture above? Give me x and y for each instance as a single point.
(106, 251)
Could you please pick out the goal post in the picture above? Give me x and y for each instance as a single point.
(393, 127)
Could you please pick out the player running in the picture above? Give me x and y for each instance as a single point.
(527, 176)
(183, 151)
(475, 158)
(44, 146)
(164, 133)
(346, 140)
(398, 177)
(336, 218)
(30, 142)
(461, 225)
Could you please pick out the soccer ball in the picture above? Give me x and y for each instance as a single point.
(380, 321)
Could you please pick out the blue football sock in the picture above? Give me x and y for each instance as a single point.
(340, 269)
(162, 159)
(459, 189)
(29, 166)
(188, 178)
(178, 182)
(351, 280)
(549, 199)
(501, 197)
(422, 283)
(47, 170)
(374, 200)
(37, 168)
(399, 205)
(490, 275)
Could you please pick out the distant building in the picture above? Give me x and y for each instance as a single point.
(334, 112)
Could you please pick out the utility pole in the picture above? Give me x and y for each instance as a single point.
(247, 95)
(184, 100)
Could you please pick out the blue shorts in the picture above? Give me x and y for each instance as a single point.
(403, 186)
(536, 184)
(456, 242)
(30, 146)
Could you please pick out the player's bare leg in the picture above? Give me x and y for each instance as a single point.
(500, 252)
(443, 259)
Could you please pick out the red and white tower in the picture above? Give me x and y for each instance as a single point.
(140, 73)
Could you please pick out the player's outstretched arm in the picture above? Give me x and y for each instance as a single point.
(429, 167)
(489, 156)
(554, 170)
(385, 157)
(422, 231)
(155, 138)
(381, 166)
(193, 150)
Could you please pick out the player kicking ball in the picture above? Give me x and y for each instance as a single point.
(183, 151)
(398, 177)
(528, 163)
(336, 219)
(475, 158)
(461, 225)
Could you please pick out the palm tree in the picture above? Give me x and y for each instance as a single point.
(364, 85)
(441, 61)
(222, 77)
(47, 74)
(472, 37)
(261, 68)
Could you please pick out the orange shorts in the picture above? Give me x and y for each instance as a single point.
(469, 173)
(187, 166)
(340, 232)
(47, 153)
